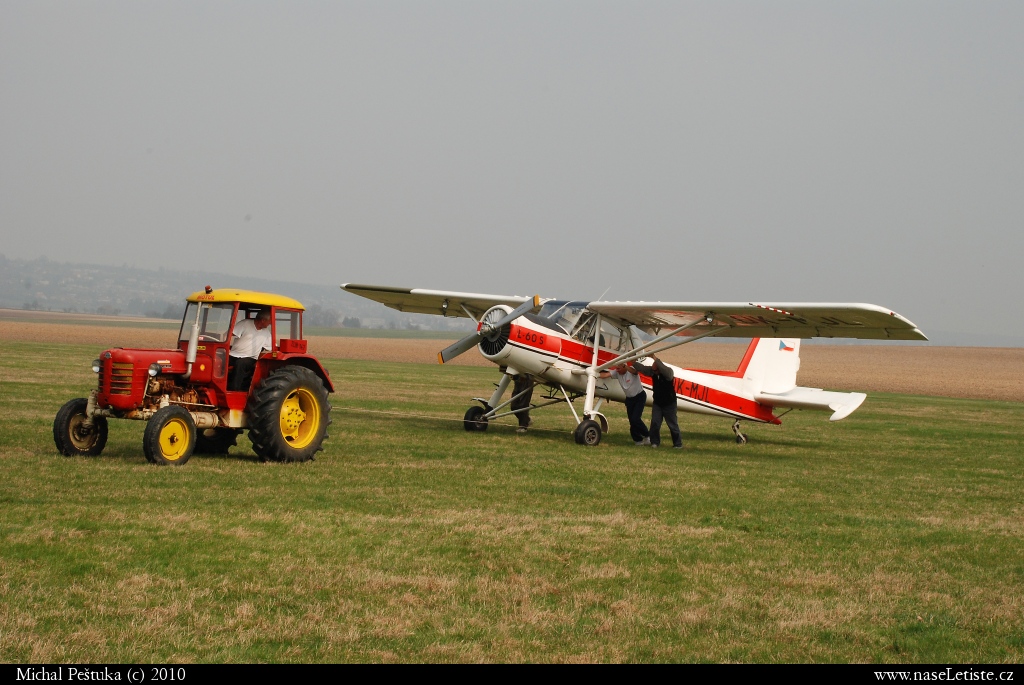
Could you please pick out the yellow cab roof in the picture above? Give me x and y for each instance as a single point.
(247, 296)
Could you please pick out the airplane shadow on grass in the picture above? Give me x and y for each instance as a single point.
(614, 439)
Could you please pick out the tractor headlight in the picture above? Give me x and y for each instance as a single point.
(154, 369)
(97, 365)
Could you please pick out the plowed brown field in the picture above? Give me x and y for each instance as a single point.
(972, 372)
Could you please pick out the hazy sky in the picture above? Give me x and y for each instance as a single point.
(809, 151)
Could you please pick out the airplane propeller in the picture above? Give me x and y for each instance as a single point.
(485, 329)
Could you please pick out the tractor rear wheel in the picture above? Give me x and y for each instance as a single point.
(289, 414)
(170, 437)
(216, 440)
(71, 434)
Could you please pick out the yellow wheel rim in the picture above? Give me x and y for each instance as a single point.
(173, 440)
(300, 418)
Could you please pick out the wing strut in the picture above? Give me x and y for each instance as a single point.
(641, 351)
(593, 370)
(705, 334)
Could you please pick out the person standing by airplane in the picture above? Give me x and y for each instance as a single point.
(664, 407)
(522, 383)
(636, 398)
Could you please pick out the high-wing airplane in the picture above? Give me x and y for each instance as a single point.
(565, 345)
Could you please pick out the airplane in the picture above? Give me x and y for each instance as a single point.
(566, 344)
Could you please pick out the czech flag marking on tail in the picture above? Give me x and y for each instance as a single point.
(784, 347)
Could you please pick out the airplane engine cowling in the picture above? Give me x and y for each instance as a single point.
(494, 346)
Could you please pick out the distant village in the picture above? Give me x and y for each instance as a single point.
(45, 285)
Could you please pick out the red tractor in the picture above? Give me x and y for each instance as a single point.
(186, 396)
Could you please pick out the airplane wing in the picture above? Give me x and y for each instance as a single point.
(764, 320)
(441, 302)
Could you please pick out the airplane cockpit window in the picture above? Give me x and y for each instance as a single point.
(584, 331)
(562, 313)
(612, 337)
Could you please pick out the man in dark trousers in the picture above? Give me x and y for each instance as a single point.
(662, 382)
(522, 383)
(636, 398)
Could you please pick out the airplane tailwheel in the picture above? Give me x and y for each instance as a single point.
(474, 420)
(588, 433)
(741, 439)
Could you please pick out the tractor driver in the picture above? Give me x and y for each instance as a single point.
(250, 337)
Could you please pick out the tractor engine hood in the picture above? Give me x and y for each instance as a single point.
(170, 361)
(124, 374)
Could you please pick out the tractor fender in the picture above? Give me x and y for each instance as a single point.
(311, 363)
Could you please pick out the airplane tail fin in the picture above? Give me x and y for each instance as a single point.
(771, 364)
(769, 371)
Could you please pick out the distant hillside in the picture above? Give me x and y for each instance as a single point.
(44, 285)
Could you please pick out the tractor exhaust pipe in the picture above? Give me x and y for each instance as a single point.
(205, 419)
(193, 344)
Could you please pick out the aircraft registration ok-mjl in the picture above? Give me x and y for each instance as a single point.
(565, 345)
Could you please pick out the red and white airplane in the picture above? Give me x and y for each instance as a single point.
(565, 345)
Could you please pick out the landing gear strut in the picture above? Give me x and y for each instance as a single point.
(741, 439)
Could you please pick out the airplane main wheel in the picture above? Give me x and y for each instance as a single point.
(170, 437)
(741, 439)
(474, 420)
(72, 437)
(588, 433)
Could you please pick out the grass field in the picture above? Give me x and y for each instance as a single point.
(895, 535)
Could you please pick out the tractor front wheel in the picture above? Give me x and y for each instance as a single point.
(170, 437)
(289, 414)
(73, 436)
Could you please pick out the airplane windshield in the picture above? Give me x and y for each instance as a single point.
(562, 313)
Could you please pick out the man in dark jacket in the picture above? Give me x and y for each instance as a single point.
(662, 382)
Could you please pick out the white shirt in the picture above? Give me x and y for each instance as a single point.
(630, 382)
(249, 342)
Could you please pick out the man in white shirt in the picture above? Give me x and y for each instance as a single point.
(636, 398)
(250, 337)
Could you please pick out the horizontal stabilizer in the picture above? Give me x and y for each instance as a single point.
(841, 404)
